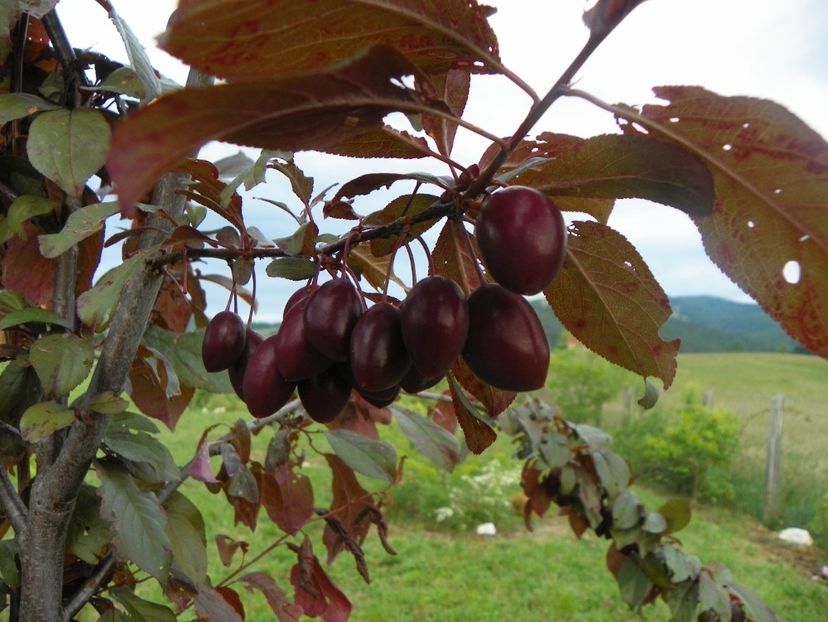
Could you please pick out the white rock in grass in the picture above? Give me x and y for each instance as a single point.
(486, 529)
(795, 535)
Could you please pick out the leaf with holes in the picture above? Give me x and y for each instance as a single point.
(69, 146)
(61, 362)
(771, 179)
(139, 521)
(267, 39)
(606, 296)
(308, 111)
(620, 166)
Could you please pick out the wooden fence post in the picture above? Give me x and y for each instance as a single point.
(773, 460)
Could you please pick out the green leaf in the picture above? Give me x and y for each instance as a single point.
(19, 389)
(294, 243)
(139, 521)
(95, 306)
(185, 528)
(364, 455)
(62, 362)
(682, 566)
(430, 439)
(8, 564)
(23, 209)
(33, 314)
(107, 403)
(19, 105)
(713, 596)
(654, 523)
(141, 447)
(184, 354)
(133, 421)
(69, 146)
(89, 535)
(42, 420)
(12, 301)
(293, 268)
(626, 510)
(138, 58)
(613, 471)
(141, 610)
(683, 601)
(757, 609)
(651, 395)
(123, 81)
(677, 513)
(634, 584)
(80, 225)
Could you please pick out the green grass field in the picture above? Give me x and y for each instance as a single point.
(548, 574)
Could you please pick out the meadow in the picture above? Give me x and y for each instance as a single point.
(444, 573)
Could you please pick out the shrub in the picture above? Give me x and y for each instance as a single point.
(819, 524)
(688, 452)
(581, 382)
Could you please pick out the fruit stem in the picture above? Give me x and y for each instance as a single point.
(534, 115)
(411, 261)
(472, 254)
(403, 235)
(253, 297)
(346, 270)
(427, 253)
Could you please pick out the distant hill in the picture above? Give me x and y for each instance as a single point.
(706, 324)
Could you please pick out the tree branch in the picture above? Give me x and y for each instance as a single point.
(13, 507)
(55, 489)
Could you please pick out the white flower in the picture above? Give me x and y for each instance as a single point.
(443, 513)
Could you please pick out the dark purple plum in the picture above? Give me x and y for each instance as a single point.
(264, 388)
(414, 381)
(330, 315)
(506, 346)
(299, 294)
(324, 396)
(223, 341)
(522, 239)
(298, 359)
(378, 359)
(236, 370)
(381, 399)
(435, 321)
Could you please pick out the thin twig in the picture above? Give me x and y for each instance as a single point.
(90, 586)
(13, 506)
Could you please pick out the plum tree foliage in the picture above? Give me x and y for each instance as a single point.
(86, 140)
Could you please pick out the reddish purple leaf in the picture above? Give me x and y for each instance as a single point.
(479, 434)
(227, 548)
(607, 14)
(200, 468)
(149, 392)
(349, 504)
(315, 592)
(285, 610)
(384, 142)
(606, 296)
(494, 400)
(771, 214)
(310, 111)
(453, 88)
(266, 39)
(211, 605)
(290, 504)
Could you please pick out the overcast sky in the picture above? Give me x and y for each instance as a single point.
(763, 48)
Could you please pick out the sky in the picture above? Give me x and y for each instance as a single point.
(762, 48)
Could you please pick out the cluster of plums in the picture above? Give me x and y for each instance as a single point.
(329, 344)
